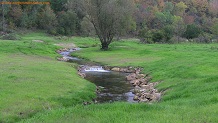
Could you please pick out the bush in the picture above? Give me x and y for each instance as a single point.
(10, 36)
(67, 23)
(157, 36)
(176, 39)
(154, 36)
(52, 31)
(168, 33)
(146, 36)
(192, 31)
(204, 38)
(47, 20)
(87, 28)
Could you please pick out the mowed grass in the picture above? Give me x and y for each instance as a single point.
(32, 80)
(190, 84)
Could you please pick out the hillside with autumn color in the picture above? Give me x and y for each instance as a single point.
(153, 21)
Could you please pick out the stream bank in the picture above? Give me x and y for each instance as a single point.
(114, 83)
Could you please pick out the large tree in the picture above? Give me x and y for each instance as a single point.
(107, 16)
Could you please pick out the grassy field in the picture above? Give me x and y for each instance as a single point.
(188, 71)
(32, 80)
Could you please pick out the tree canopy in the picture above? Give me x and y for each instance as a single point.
(108, 16)
(108, 19)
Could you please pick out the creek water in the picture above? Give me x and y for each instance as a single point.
(113, 85)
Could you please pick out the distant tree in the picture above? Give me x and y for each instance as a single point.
(4, 9)
(124, 27)
(168, 32)
(201, 6)
(180, 8)
(161, 4)
(87, 27)
(215, 28)
(213, 8)
(164, 18)
(30, 14)
(168, 7)
(207, 23)
(106, 17)
(157, 35)
(144, 15)
(47, 20)
(24, 20)
(67, 22)
(15, 14)
(188, 19)
(192, 31)
(58, 5)
(31, 11)
(179, 27)
(145, 35)
(77, 7)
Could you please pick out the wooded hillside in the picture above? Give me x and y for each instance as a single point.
(163, 21)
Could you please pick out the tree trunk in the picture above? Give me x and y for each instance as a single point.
(104, 46)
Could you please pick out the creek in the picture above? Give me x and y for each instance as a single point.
(113, 85)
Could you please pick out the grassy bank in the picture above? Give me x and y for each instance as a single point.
(189, 74)
(34, 84)
(33, 81)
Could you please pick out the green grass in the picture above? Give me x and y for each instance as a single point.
(31, 82)
(189, 71)
(128, 113)
(189, 74)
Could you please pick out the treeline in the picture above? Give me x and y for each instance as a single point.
(177, 20)
(163, 21)
(54, 18)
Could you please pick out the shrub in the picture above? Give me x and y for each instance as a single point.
(204, 38)
(47, 20)
(168, 33)
(192, 31)
(157, 36)
(177, 39)
(10, 36)
(67, 23)
(146, 36)
(87, 28)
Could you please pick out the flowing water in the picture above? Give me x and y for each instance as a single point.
(113, 85)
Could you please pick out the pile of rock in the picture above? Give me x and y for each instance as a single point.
(120, 69)
(65, 59)
(83, 75)
(144, 90)
(62, 50)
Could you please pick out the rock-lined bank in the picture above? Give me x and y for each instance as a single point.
(144, 90)
(120, 69)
